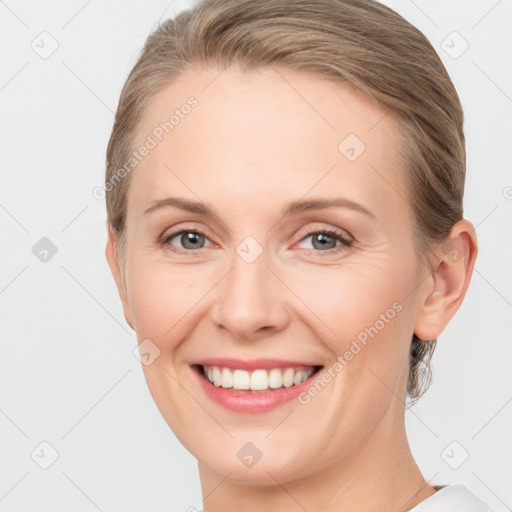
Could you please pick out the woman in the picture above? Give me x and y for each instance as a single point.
(284, 193)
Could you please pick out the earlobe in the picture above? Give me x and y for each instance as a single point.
(448, 283)
(111, 253)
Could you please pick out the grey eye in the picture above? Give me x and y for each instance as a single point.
(188, 239)
(323, 241)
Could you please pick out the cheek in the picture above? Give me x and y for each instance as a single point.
(352, 301)
(363, 315)
(164, 299)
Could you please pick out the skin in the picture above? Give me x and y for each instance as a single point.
(256, 141)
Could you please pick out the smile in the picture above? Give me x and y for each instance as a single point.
(257, 380)
(253, 387)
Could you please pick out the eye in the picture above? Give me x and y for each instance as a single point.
(190, 240)
(325, 240)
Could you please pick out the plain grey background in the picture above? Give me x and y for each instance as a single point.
(69, 378)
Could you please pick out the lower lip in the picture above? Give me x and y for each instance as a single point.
(248, 402)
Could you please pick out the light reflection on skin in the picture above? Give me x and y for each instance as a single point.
(250, 147)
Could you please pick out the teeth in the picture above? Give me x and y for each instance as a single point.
(288, 377)
(257, 380)
(227, 378)
(217, 377)
(241, 379)
(299, 377)
(275, 380)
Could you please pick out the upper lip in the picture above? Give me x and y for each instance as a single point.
(252, 364)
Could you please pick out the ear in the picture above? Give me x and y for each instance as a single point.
(448, 283)
(111, 253)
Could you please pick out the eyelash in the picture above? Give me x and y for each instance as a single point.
(333, 233)
(337, 235)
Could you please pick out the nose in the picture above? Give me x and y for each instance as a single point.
(250, 301)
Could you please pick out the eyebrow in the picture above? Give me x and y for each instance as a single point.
(291, 208)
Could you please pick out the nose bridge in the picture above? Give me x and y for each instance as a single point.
(249, 300)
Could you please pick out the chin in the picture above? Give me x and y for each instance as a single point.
(267, 467)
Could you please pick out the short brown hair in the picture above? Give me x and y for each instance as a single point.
(361, 43)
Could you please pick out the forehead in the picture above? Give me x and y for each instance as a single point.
(267, 97)
(269, 131)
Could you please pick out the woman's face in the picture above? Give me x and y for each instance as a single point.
(241, 277)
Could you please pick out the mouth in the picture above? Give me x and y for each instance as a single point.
(256, 380)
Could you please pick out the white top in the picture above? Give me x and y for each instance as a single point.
(452, 498)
